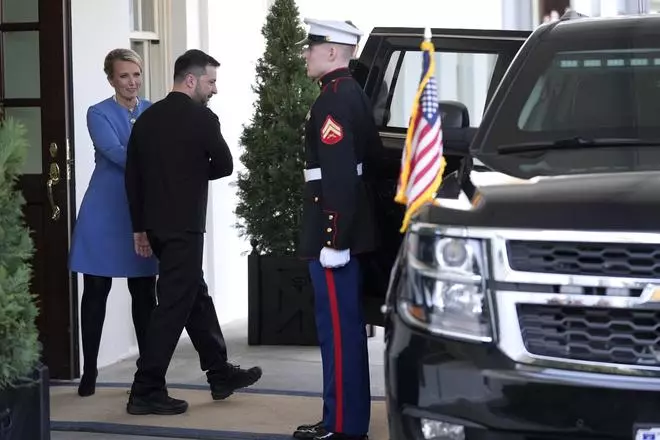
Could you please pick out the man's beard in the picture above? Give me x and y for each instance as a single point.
(201, 97)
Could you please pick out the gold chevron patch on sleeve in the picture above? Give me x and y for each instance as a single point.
(331, 131)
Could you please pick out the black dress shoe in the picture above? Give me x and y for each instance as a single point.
(157, 403)
(314, 426)
(225, 382)
(305, 432)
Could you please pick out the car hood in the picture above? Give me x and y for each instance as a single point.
(618, 201)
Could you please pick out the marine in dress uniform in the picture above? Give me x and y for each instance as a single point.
(338, 224)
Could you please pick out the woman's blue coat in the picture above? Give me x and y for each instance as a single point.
(102, 242)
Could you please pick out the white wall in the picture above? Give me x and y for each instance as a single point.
(609, 8)
(89, 87)
(235, 40)
(475, 14)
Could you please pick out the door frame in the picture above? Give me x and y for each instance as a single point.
(74, 356)
(370, 70)
(59, 334)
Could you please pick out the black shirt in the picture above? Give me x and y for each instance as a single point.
(175, 148)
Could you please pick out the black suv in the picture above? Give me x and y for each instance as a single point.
(528, 308)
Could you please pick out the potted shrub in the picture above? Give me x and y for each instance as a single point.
(280, 304)
(24, 398)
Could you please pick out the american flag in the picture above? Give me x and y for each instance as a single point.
(422, 162)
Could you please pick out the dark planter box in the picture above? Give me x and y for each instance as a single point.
(280, 301)
(25, 409)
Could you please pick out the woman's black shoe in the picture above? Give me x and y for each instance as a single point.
(87, 385)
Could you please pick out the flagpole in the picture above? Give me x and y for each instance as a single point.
(410, 148)
(428, 36)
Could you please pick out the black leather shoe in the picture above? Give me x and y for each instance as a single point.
(157, 403)
(316, 425)
(305, 432)
(225, 382)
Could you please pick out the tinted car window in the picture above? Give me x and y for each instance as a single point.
(601, 82)
(587, 92)
(461, 76)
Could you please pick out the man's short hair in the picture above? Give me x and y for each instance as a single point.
(193, 61)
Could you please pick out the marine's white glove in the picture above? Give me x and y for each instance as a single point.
(332, 258)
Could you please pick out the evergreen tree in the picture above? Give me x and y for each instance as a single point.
(270, 190)
(19, 346)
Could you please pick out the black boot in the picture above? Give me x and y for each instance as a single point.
(224, 382)
(92, 316)
(156, 403)
(87, 385)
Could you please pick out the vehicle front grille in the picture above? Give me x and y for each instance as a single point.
(603, 335)
(574, 258)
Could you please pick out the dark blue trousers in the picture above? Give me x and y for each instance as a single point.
(343, 339)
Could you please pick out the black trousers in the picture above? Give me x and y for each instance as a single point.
(92, 312)
(183, 301)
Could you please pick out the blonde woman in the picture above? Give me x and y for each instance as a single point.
(102, 245)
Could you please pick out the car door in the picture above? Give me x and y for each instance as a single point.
(469, 66)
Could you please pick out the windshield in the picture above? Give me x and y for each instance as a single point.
(608, 93)
(598, 88)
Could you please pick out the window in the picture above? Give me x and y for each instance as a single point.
(463, 77)
(595, 91)
(589, 105)
(147, 26)
(654, 6)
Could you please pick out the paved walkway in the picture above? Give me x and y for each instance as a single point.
(285, 368)
(87, 436)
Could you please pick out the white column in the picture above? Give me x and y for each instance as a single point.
(192, 23)
(611, 8)
(588, 7)
(189, 26)
(518, 14)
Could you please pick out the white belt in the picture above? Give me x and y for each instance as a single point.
(315, 173)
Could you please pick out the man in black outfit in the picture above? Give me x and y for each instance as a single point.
(175, 148)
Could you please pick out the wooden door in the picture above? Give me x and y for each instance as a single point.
(34, 88)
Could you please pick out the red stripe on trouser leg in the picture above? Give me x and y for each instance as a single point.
(336, 336)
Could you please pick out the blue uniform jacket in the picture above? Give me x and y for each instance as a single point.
(102, 242)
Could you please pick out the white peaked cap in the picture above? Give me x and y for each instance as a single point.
(332, 31)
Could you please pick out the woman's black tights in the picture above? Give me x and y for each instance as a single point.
(92, 316)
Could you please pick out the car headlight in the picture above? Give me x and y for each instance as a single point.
(446, 291)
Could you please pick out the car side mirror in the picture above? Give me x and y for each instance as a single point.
(454, 114)
(457, 133)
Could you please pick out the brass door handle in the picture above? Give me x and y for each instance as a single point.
(53, 179)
